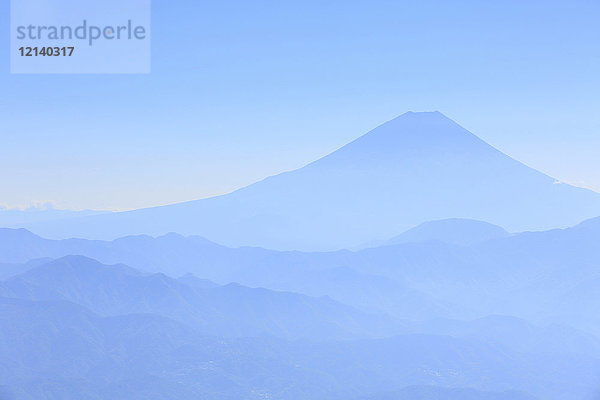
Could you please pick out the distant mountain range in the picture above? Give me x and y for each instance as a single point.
(400, 321)
(61, 350)
(229, 311)
(548, 276)
(416, 168)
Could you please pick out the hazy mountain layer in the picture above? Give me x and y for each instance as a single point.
(230, 311)
(59, 350)
(75, 328)
(541, 276)
(315, 274)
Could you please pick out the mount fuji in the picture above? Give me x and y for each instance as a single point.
(415, 168)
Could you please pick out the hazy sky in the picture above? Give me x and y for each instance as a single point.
(241, 90)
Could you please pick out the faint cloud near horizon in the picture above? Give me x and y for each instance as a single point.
(39, 206)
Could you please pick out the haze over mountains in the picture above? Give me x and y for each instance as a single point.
(60, 350)
(231, 310)
(75, 328)
(409, 320)
(541, 276)
(416, 168)
(455, 301)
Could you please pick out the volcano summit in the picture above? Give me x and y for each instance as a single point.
(417, 167)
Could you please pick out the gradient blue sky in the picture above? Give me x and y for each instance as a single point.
(241, 90)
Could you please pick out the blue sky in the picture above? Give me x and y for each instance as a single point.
(242, 90)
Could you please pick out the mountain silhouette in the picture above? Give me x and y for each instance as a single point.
(415, 168)
(461, 232)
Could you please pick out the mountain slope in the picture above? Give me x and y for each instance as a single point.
(313, 274)
(58, 350)
(415, 168)
(231, 310)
